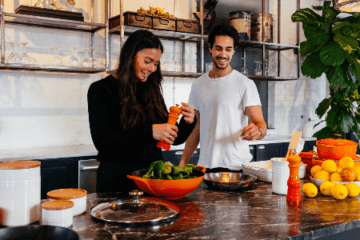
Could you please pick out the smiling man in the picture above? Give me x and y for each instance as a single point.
(228, 106)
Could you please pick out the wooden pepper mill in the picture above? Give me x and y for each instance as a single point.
(293, 183)
(173, 116)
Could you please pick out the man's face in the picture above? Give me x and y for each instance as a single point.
(222, 51)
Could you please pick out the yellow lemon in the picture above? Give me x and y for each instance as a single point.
(310, 190)
(357, 170)
(322, 175)
(339, 169)
(339, 191)
(353, 189)
(335, 177)
(325, 188)
(315, 169)
(346, 162)
(329, 166)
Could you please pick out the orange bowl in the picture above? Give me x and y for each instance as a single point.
(167, 189)
(336, 148)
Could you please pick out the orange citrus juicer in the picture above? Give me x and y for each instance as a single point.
(173, 116)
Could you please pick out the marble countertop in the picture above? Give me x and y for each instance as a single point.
(90, 150)
(255, 213)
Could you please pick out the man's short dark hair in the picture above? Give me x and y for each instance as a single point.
(223, 30)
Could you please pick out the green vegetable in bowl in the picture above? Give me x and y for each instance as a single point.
(166, 170)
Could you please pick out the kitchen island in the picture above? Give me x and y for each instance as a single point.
(254, 213)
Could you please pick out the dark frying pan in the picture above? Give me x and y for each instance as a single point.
(38, 232)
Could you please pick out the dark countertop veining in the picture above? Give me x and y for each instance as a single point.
(255, 213)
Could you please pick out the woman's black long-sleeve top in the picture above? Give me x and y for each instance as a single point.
(134, 147)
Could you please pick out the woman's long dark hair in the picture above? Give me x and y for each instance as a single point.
(143, 104)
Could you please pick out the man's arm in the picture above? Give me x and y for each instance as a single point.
(192, 142)
(256, 129)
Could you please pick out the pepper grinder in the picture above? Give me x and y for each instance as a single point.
(293, 183)
(173, 116)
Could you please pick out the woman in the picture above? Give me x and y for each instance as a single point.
(128, 116)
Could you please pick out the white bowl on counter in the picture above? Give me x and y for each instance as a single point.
(318, 182)
(263, 170)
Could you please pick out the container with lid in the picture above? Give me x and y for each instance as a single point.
(241, 21)
(57, 213)
(78, 196)
(20, 192)
(257, 28)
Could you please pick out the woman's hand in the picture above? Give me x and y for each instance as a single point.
(188, 112)
(165, 132)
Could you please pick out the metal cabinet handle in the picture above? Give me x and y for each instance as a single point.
(251, 147)
(181, 152)
(261, 147)
(89, 168)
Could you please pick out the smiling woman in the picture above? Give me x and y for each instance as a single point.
(128, 116)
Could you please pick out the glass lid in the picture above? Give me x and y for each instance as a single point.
(136, 210)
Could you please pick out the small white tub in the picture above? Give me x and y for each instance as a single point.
(20, 193)
(57, 213)
(77, 196)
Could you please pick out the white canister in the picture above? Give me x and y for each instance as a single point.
(57, 213)
(280, 175)
(20, 192)
(78, 196)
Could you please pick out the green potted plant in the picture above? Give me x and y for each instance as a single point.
(332, 47)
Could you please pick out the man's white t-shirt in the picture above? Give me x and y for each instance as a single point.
(221, 103)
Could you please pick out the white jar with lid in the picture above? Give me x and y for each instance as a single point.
(57, 213)
(78, 196)
(20, 192)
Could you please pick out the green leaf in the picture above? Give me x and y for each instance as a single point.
(313, 67)
(329, 13)
(307, 16)
(354, 68)
(323, 107)
(332, 118)
(316, 34)
(337, 76)
(332, 54)
(309, 47)
(346, 122)
(346, 43)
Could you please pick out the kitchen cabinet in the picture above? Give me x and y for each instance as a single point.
(264, 152)
(47, 22)
(59, 173)
(174, 156)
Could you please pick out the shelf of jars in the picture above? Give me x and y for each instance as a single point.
(171, 74)
(15, 18)
(165, 34)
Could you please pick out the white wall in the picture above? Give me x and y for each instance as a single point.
(40, 109)
(292, 99)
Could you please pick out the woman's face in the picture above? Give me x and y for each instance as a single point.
(146, 62)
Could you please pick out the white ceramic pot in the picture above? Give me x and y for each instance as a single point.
(57, 213)
(77, 196)
(20, 193)
(281, 173)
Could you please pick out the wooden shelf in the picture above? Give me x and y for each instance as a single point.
(15, 18)
(50, 68)
(166, 34)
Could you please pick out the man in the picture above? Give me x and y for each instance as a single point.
(225, 101)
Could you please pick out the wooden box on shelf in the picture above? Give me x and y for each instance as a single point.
(132, 19)
(187, 25)
(163, 23)
(51, 13)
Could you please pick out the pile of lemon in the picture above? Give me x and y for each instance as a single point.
(329, 172)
